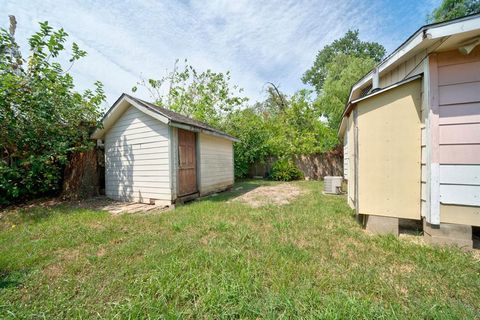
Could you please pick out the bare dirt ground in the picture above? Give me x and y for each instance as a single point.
(278, 195)
(97, 203)
(115, 207)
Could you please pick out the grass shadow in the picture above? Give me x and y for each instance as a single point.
(9, 279)
(33, 214)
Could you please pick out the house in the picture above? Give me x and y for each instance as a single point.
(155, 155)
(411, 134)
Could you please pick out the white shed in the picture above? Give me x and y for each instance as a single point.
(155, 155)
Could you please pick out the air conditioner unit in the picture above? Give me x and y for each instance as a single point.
(333, 184)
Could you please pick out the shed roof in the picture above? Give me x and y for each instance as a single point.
(167, 116)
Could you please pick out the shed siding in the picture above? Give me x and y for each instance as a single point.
(174, 161)
(351, 161)
(425, 191)
(216, 163)
(389, 154)
(459, 136)
(424, 169)
(345, 155)
(137, 161)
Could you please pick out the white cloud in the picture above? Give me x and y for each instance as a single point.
(258, 41)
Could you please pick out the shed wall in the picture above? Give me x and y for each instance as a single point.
(137, 166)
(345, 155)
(389, 156)
(351, 161)
(215, 163)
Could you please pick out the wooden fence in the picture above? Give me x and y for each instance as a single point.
(314, 167)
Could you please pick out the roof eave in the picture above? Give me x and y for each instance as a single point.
(431, 32)
(189, 127)
(351, 104)
(153, 112)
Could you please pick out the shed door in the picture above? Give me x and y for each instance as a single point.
(187, 164)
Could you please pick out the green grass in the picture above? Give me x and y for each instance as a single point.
(218, 259)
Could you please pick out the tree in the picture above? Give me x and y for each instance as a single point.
(451, 9)
(254, 135)
(342, 73)
(336, 68)
(206, 96)
(42, 118)
(350, 45)
(298, 129)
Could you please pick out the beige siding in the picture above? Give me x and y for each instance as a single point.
(137, 164)
(460, 214)
(425, 133)
(351, 161)
(409, 68)
(345, 155)
(215, 163)
(389, 126)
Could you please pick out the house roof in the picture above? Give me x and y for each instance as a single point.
(434, 37)
(387, 88)
(424, 37)
(166, 116)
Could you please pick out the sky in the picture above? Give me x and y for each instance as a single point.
(257, 41)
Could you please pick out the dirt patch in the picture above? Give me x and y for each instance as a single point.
(31, 204)
(117, 207)
(69, 254)
(53, 271)
(101, 252)
(278, 195)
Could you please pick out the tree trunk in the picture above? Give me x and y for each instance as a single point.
(83, 175)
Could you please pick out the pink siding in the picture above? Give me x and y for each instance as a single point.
(459, 73)
(460, 154)
(454, 131)
(459, 111)
(460, 134)
(454, 57)
(459, 93)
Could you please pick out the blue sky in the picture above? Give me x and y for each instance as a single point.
(258, 41)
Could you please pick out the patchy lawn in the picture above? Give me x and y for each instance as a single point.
(217, 258)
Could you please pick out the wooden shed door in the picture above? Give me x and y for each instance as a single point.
(187, 164)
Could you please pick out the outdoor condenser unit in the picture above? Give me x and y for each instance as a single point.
(333, 184)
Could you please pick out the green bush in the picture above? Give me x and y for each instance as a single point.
(43, 119)
(248, 126)
(285, 170)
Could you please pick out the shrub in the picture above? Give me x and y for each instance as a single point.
(250, 128)
(43, 119)
(285, 170)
